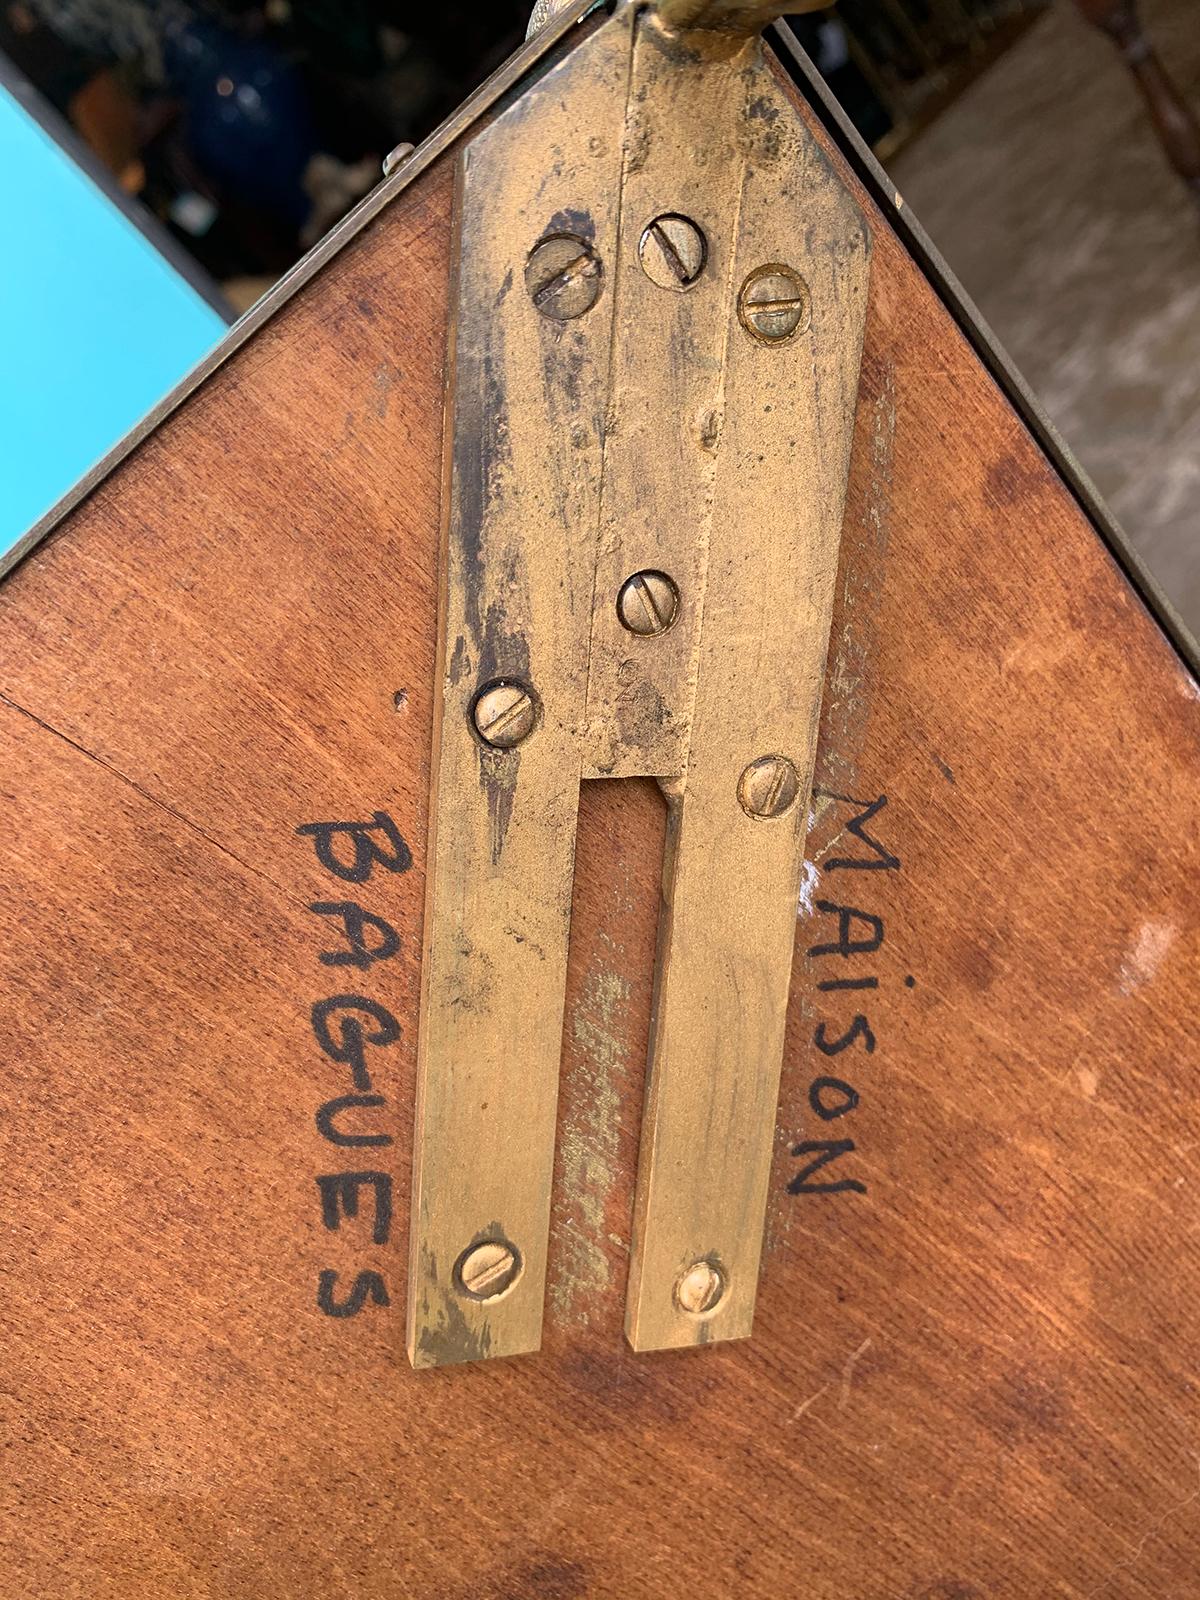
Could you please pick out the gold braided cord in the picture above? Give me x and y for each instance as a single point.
(712, 16)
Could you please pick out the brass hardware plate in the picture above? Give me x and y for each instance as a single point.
(655, 427)
(739, 17)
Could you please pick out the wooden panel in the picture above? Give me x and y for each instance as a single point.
(971, 1380)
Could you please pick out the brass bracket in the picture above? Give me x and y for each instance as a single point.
(660, 296)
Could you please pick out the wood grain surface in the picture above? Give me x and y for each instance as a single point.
(972, 1374)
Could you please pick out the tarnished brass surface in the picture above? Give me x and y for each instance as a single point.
(771, 536)
(525, 426)
(683, 154)
(731, 16)
(643, 429)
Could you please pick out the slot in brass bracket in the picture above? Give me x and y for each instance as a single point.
(660, 294)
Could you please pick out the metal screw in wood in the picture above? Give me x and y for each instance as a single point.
(504, 714)
(648, 603)
(396, 157)
(700, 1288)
(486, 1271)
(672, 251)
(768, 787)
(774, 304)
(563, 276)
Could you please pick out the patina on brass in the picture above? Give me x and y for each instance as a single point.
(524, 440)
(740, 17)
(650, 437)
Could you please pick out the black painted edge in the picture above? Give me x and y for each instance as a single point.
(984, 343)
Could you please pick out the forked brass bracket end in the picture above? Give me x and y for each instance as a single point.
(661, 288)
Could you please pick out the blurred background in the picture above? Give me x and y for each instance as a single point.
(163, 162)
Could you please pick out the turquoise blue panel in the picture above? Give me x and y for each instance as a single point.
(95, 325)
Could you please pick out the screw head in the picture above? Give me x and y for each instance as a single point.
(396, 157)
(774, 304)
(488, 1270)
(700, 1288)
(768, 787)
(672, 251)
(648, 603)
(504, 714)
(563, 276)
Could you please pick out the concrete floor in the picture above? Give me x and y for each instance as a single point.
(1045, 190)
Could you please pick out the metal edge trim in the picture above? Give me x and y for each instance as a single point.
(502, 82)
(985, 345)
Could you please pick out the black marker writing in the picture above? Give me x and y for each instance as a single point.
(367, 1286)
(356, 924)
(339, 1198)
(343, 1039)
(332, 1109)
(346, 1027)
(391, 853)
(856, 933)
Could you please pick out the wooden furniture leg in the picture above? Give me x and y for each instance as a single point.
(1174, 121)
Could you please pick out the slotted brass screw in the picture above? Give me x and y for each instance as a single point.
(563, 276)
(396, 158)
(672, 251)
(504, 714)
(774, 304)
(700, 1288)
(486, 1270)
(648, 603)
(768, 787)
